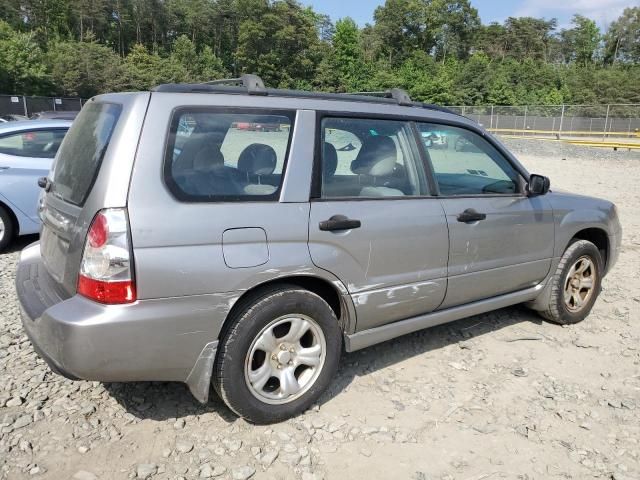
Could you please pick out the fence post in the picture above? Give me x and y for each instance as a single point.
(561, 120)
(24, 106)
(606, 119)
(524, 122)
(491, 121)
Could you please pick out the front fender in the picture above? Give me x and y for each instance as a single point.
(574, 213)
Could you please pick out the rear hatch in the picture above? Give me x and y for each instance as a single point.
(68, 205)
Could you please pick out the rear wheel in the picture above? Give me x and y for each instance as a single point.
(576, 284)
(7, 229)
(278, 355)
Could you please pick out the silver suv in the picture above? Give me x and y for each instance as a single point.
(242, 237)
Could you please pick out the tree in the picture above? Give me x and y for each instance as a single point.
(278, 42)
(436, 49)
(622, 40)
(49, 17)
(198, 66)
(401, 26)
(492, 41)
(22, 69)
(144, 70)
(528, 37)
(581, 42)
(454, 24)
(347, 56)
(84, 68)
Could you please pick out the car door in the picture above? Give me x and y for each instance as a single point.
(500, 239)
(26, 156)
(372, 222)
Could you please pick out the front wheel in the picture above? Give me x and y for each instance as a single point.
(576, 284)
(278, 355)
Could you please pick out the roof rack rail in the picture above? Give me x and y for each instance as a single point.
(253, 83)
(398, 94)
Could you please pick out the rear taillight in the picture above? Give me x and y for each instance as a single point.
(106, 271)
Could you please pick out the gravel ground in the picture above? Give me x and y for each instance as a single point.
(568, 151)
(501, 395)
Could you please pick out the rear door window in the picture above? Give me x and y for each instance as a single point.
(222, 155)
(82, 151)
(32, 143)
(370, 158)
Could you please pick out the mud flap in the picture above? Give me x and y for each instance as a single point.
(199, 379)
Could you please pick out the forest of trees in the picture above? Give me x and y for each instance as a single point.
(436, 49)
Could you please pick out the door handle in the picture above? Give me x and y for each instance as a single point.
(4, 168)
(338, 222)
(470, 215)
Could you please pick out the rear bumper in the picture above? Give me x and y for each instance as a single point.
(170, 339)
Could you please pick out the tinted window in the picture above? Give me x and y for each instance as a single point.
(32, 143)
(466, 164)
(219, 155)
(369, 158)
(82, 150)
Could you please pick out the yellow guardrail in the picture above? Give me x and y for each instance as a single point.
(566, 133)
(586, 143)
(614, 145)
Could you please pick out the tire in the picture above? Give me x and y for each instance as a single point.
(7, 229)
(259, 348)
(569, 309)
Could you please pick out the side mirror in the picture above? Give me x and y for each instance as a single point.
(538, 185)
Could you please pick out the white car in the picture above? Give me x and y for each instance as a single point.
(27, 149)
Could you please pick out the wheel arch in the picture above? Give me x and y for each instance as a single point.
(598, 237)
(13, 216)
(332, 292)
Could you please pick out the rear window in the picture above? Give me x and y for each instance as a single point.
(81, 152)
(223, 155)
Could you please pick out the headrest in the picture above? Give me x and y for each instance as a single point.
(376, 157)
(208, 159)
(197, 143)
(258, 159)
(329, 160)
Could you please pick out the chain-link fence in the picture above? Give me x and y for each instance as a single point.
(613, 120)
(28, 106)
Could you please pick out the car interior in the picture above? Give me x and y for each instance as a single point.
(199, 166)
(33, 143)
(469, 165)
(374, 168)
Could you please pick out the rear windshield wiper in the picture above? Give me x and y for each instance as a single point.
(45, 183)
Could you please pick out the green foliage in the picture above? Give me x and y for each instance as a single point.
(22, 68)
(580, 43)
(83, 68)
(622, 40)
(436, 49)
(197, 66)
(278, 40)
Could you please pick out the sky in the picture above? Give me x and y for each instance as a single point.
(602, 11)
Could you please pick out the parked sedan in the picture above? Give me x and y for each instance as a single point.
(53, 115)
(27, 149)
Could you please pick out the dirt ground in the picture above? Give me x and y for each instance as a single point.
(500, 395)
